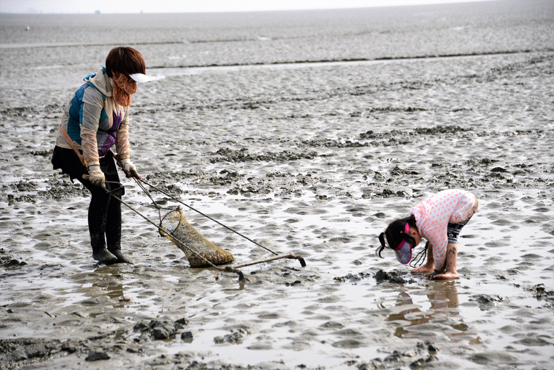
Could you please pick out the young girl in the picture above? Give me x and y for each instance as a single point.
(439, 219)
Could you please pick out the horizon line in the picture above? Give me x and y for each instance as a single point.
(401, 3)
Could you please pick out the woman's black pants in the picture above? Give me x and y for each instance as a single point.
(104, 212)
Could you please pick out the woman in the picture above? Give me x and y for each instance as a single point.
(95, 118)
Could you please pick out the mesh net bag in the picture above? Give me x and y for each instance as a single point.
(183, 235)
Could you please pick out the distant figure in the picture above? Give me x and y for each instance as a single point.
(28, 28)
(95, 118)
(439, 219)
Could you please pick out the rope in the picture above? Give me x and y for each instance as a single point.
(156, 205)
(195, 210)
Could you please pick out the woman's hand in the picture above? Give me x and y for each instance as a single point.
(129, 169)
(96, 176)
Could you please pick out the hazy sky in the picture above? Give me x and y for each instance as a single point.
(171, 6)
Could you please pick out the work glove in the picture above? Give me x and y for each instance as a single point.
(96, 176)
(129, 169)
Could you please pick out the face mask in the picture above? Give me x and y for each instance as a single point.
(123, 88)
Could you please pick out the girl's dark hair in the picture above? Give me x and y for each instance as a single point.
(124, 60)
(394, 234)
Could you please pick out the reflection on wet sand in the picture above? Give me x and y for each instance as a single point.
(106, 286)
(113, 290)
(441, 323)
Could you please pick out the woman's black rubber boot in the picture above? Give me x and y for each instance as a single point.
(104, 256)
(121, 258)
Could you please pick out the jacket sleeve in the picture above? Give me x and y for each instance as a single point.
(439, 252)
(122, 142)
(89, 116)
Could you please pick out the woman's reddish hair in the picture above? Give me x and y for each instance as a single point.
(125, 60)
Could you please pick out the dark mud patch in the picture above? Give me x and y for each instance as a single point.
(182, 360)
(352, 278)
(422, 355)
(539, 291)
(420, 131)
(334, 143)
(17, 352)
(9, 261)
(30, 112)
(31, 192)
(394, 277)
(236, 337)
(487, 301)
(225, 177)
(159, 329)
(242, 155)
(368, 111)
(388, 193)
(97, 356)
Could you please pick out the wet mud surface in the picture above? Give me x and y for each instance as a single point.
(312, 159)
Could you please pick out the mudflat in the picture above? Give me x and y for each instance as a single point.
(307, 132)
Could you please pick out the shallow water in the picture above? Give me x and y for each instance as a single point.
(310, 158)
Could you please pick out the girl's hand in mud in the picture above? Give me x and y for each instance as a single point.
(423, 269)
(433, 273)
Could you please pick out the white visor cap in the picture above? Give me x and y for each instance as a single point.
(141, 78)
